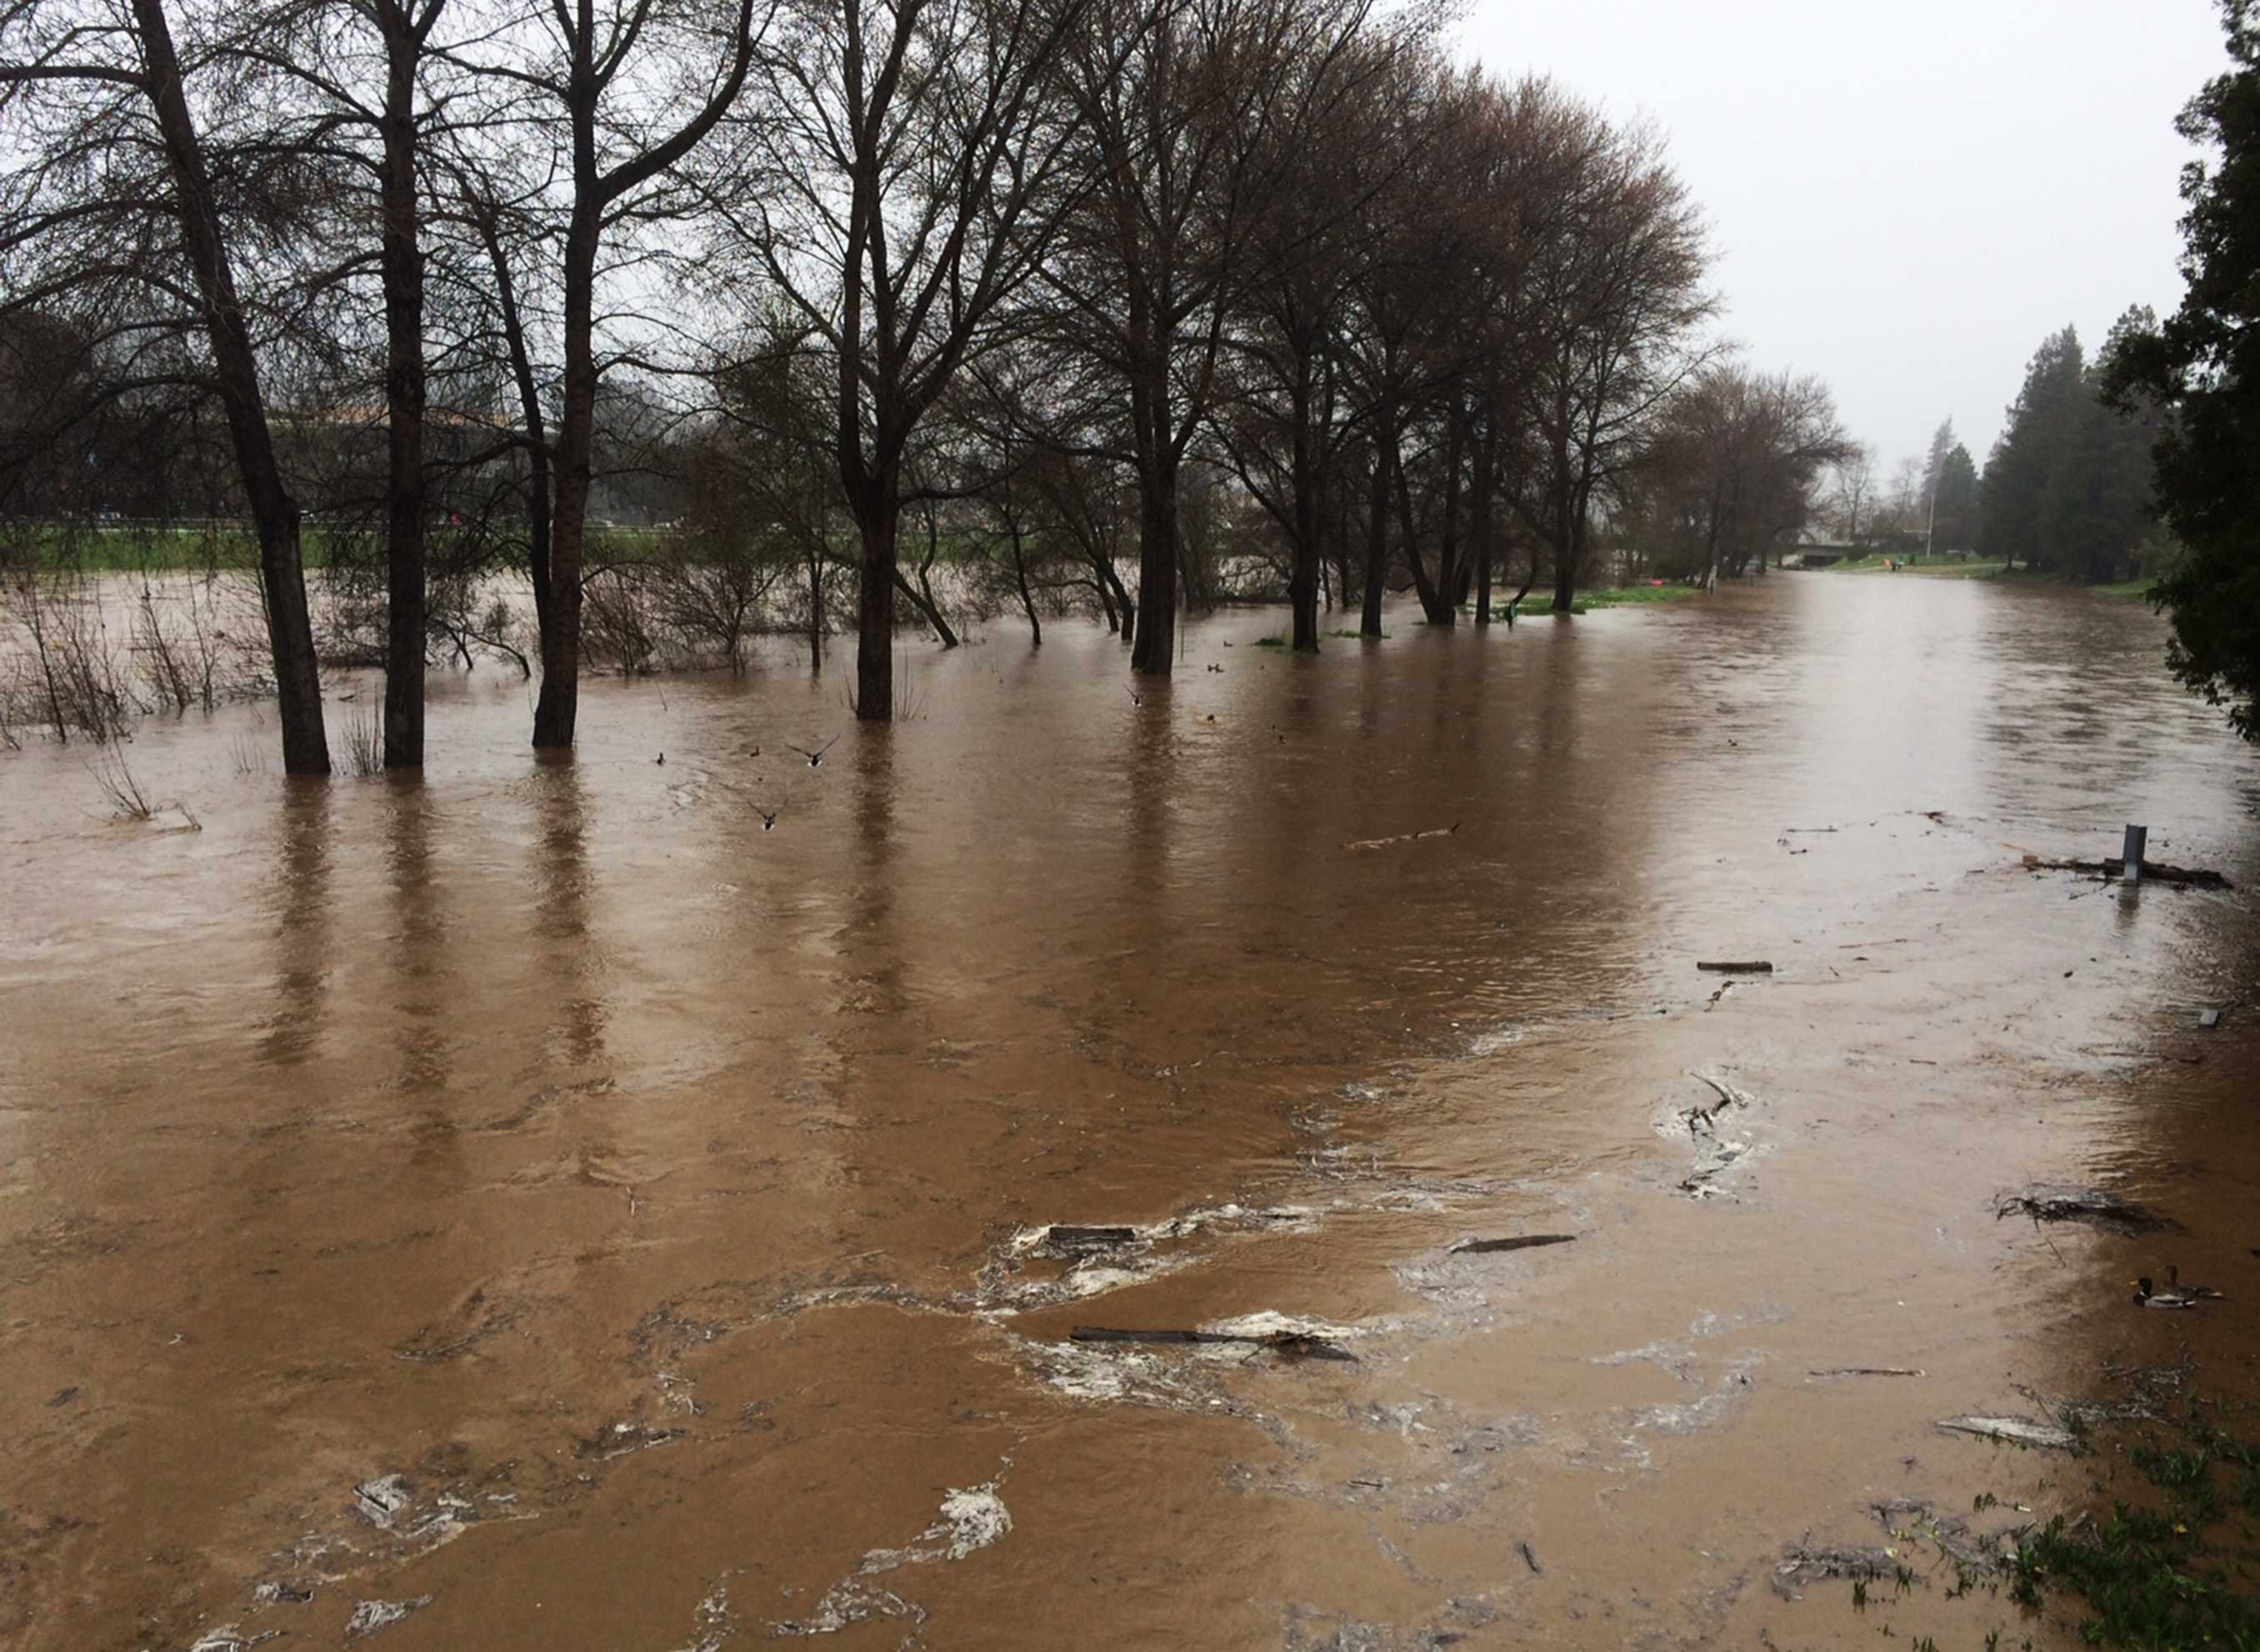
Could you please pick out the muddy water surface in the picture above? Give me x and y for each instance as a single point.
(543, 1207)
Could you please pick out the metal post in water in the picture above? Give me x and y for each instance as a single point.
(2130, 870)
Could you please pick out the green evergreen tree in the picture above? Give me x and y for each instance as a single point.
(1956, 523)
(2201, 371)
(2017, 511)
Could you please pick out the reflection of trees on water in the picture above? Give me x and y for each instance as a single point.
(302, 895)
(561, 915)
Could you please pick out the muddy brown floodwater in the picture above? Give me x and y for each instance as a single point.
(542, 1208)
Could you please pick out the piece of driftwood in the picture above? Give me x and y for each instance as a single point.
(1520, 1242)
(1758, 966)
(1870, 1371)
(2016, 1431)
(1292, 1344)
(1067, 1236)
(2153, 871)
(1404, 837)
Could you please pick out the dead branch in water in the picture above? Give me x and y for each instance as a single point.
(1404, 837)
(2093, 1206)
(1756, 966)
(1521, 1241)
(2153, 871)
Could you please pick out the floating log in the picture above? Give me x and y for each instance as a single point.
(1520, 1242)
(1717, 967)
(1404, 837)
(1065, 1236)
(2016, 1431)
(1292, 1344)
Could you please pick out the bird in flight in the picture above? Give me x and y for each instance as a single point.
(815, 756)
(770, 816)
(1136, 699)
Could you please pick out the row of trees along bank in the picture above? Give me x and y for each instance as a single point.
(842, 291)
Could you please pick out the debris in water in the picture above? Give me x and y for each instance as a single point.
(1904, 1519)
(228, 1638)
(2153, 872)
(380, 1501)
(1870, 1371)
(371, 1615)
(2068, 1204)
(1801, 1566)
(2016, 1431)
(1529, 1557)
(621, 1438)
(1287, 1344)
(1719, 967)
(276, 1594)
(971, 1519)
(716, 1625)
(1062, 1239)
(1521, 1241)
(1404, 837)
(2209, 1019)
(62, 1397)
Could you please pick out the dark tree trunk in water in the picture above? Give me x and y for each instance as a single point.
(1443, 602)
(878, 516)
(815, 615)
(1435, 603)
(1303, 581)
(274, 513)
(1480, 519)
(557, 710)
(1027, 598)
(1565, 568)
(1156, 637)
(1377, 544)
(403, 271)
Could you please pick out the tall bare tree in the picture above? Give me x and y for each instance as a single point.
(912, 175)
(629, 89)
(144, 254)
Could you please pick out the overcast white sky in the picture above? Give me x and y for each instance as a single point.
(1903, 199)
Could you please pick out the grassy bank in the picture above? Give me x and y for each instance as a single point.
(1936, 567)
(1614, 596)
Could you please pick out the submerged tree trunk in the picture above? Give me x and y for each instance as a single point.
(1303, 579)
(815, 614)
(557, 710)
(403, 271)
(878, 516)
(1027, 598)
(1156, 631)
(1435, 601)
(1480, 520)
(274, 513)
(1377, 542)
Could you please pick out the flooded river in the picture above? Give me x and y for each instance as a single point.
(542, 1207)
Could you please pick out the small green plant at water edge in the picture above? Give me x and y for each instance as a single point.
(2148, 1575)
(1270, 642)
(1859, 1594)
